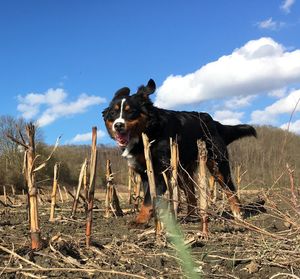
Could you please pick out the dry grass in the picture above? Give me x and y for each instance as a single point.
(265, 245)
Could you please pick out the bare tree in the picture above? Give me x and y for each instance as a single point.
(11, 155)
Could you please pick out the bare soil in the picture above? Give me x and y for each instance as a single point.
(265, 245)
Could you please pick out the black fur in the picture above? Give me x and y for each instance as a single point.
(186, 127)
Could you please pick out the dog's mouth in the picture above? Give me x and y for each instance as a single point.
(122, 139)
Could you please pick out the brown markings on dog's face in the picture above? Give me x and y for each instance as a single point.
(134, 111)
(110, 114)
(108, 124)
(136, 126)
(135, 121)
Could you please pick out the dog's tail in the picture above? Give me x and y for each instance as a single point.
(230, 133)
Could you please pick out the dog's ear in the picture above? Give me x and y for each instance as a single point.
(151, 86)
(104, 113)
(148, 89)
(124, 91)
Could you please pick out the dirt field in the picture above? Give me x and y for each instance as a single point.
(266, 245)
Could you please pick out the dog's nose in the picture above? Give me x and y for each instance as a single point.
(119, 126)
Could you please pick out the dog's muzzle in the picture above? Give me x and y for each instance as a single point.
(121, 135)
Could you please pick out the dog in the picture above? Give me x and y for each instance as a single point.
(128, 116)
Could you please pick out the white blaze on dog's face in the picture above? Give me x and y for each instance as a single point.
(116, 122)
(120, 120)
(125, 120)
(126, 117)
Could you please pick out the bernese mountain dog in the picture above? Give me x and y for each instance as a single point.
(128, 116)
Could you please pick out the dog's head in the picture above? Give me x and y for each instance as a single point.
(127, 115)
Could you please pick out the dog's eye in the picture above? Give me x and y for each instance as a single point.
(112, 113)
(133, 114)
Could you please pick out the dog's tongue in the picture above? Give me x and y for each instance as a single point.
(122, 139)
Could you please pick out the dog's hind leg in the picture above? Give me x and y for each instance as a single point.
(191, 200)
(221, 171)
(187, 185)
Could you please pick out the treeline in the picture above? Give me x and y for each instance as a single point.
(69, 157)
(262, 161)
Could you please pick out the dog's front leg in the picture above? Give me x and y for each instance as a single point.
(146, 211)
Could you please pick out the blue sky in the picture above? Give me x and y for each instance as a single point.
(61, 61)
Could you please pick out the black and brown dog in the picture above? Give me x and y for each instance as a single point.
(128, 116)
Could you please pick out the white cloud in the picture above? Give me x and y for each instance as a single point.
(270, 24)
(228, 117)
(285, 105)
(54, 105)
(29, 105)
(238, 102)
(286, 5)
(263, 117)
(292, 127)
(278, 93)
(86, 137)
(62, 81)
(28, 111)
(257, 67)
(51, 96)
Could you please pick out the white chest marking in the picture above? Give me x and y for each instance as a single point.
(126, 153)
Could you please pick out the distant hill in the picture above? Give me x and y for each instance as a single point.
(263, 160)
